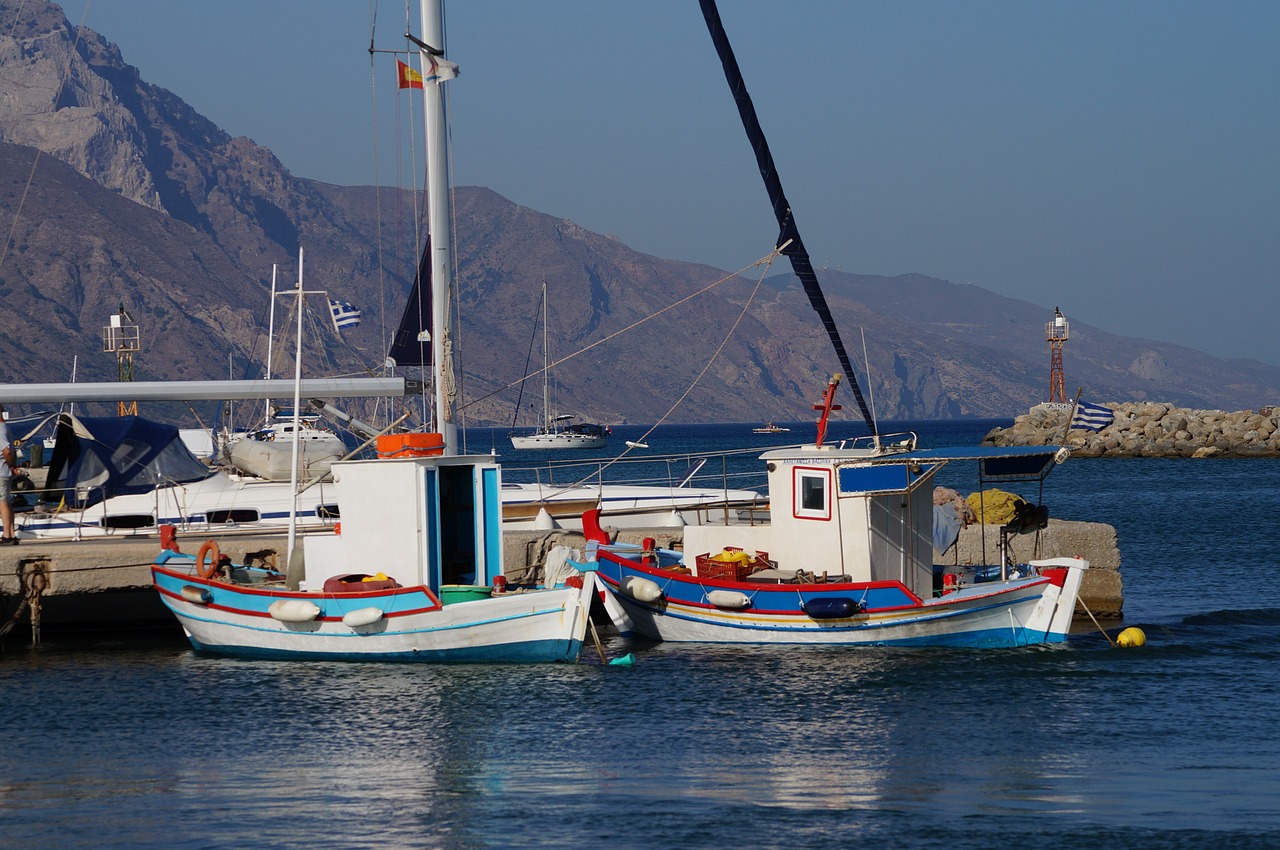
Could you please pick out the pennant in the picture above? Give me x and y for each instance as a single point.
(344, 315)
(1092, 417)
(408, 78)
(441, 69)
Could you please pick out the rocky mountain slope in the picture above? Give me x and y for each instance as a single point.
(118, 192)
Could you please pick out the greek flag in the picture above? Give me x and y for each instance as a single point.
(1092, 417)
(344, 315)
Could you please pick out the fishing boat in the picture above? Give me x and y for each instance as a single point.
(847, 559)
(770, 428)
(416, 572)
(847, 555)
(557, 431)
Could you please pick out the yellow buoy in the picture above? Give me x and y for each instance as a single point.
(1132, 636)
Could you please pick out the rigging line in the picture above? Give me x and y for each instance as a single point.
(57, 96)
(766, 261)
(528, 356)
(377, 173)
(13, 28)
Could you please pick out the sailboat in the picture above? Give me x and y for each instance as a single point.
(416, 573)
(558, 432)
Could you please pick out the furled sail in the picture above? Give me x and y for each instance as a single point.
(411, 345)
(788, 232)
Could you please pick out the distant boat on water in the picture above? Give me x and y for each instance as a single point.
(558, 432)
(771, 429)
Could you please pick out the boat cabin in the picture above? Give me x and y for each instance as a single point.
(454, 502)
(856, 515)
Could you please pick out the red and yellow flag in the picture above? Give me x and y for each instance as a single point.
(408, 78)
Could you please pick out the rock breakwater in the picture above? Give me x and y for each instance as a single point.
(1150, 429)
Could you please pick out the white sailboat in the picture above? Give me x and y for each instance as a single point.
(558, 432)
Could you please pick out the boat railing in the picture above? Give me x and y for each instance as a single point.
(738, 469)
(903, 441)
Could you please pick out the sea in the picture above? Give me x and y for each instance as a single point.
(134, 741)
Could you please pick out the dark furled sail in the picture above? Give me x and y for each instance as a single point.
(795, 251)
(406, 347)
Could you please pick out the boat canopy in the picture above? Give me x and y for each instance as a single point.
(1008, 463)
(97, 457)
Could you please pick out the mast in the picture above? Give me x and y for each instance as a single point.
(439, 224)
(546, 359)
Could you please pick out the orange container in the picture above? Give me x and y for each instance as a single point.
(411, 445)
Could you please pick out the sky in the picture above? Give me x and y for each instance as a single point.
(1116, 159)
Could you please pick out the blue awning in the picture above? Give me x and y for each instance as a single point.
(1012, 463)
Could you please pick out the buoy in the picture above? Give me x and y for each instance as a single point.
(641, 589)
(729, 599)
(624, 661)
(362, 617)
(1131, 637)
(198, 595)
(293, 610)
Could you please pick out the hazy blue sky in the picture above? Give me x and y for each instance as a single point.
(1118, 159)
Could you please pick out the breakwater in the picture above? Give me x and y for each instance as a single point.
(1149, 429)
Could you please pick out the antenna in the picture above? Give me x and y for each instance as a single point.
(122, 337)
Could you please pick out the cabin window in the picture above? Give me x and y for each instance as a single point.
(812, 494)
(235, 516)
(129, 521)
(328, 512)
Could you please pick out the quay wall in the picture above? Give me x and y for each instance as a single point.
(1150, 429)
(106, 583)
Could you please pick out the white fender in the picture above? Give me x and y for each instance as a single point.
(729, 599)
(641, 589)
(198, 595)
(294, 610)
(362, 617)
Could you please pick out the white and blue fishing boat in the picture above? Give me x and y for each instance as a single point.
(847, 555)
(416, 572)
(847, 558)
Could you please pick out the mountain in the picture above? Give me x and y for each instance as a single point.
(117, 192)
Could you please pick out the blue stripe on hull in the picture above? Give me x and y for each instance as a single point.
(525, 653)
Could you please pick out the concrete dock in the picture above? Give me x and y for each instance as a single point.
(105, 583)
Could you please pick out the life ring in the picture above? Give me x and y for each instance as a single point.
(210, 546)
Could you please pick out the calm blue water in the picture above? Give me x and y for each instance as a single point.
(141, 744)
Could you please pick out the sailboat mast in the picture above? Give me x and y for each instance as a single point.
(546, 363)
(439, 227)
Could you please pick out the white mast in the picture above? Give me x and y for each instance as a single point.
(546, 362)
(439, 226)
(271, 335)
(297, 440)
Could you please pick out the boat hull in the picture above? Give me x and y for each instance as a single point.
(1018, 612)
(408, 624)
(559, 441)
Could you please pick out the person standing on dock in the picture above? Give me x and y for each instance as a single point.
(7, 461)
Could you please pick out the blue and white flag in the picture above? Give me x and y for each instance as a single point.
(1092, 417)
(344, 315)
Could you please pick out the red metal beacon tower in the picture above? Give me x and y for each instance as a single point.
(1055, 333)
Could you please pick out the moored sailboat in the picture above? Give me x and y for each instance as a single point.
(557, 431)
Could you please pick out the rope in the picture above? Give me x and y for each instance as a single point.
(765, 261)
(62, 82)
(32, 591)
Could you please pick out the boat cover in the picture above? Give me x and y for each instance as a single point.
(1010, 463)
(97, 457)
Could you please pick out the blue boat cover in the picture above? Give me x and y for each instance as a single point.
(97, 457)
